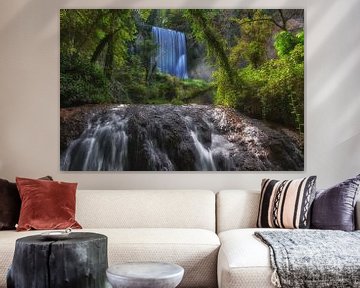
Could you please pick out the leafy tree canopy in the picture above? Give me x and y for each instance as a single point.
(256, 57)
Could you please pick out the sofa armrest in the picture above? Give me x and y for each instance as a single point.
(357, 215)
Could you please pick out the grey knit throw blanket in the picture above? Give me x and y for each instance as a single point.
(313, 258)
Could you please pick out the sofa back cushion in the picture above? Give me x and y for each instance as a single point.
(236, 209)
(146, 209)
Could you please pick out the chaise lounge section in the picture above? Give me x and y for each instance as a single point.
(244, 260)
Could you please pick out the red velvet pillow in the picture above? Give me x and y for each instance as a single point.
(46, 204)
(10, 204)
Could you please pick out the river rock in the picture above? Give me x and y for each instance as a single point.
(182, 138)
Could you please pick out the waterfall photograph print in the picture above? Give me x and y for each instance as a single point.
(182, 89)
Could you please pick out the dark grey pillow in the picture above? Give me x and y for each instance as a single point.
(9, 205)
(334, 208)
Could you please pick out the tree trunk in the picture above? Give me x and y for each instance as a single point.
(213, 42)
(109, 58)
(79, 261)
(100, 47)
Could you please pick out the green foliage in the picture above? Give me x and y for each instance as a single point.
(75, 27)
(176, 91)
(253, 81)
(188, 89)
(271, 89)
(100, 34)
(228, 84)
(227, 93)
(166, 88)
(285, 42)
(161, 89)
(131, 77)
(144, 13)
(107, 56)
(300, 36)
(146, 53)
(205, 32)
(252, 45)
(275, 91)
(255, 53)
(177, 101)
(249, 49)
(195, 83)
(82, 82)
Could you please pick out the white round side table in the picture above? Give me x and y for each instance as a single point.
(145, 275)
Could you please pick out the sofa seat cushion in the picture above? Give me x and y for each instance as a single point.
(244, 261)
(194, 249)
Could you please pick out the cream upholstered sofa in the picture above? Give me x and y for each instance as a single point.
(141, 225)
(175, 226)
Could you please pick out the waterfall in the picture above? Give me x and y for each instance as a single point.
(178, 137)
(149, 138)
(171, 52)
(101, 147)
(204, 157)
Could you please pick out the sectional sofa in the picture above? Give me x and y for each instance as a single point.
(210, 235)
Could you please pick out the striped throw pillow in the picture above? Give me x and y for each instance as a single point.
(286, 204)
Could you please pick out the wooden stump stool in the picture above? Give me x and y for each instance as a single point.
(78, 261)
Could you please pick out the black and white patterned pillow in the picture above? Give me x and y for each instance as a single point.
(286, 204)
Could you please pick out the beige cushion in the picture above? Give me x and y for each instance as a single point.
(146, 209)
(244, 261)
(194, 249)
(236, 209)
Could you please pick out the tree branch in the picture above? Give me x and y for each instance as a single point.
(264, 19)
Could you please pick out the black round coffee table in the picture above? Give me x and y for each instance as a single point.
(80, 261)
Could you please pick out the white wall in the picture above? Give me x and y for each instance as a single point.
(29, 94)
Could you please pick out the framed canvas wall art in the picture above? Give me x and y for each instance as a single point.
(182, 90)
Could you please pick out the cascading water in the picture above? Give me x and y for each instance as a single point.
(123, 138)
(171, 54)
(102, 146)
(181, 138)
(203, 154)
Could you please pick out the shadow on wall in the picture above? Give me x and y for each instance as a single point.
(332, 68)
(333, 39)
(45, 12)
(335, 71)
